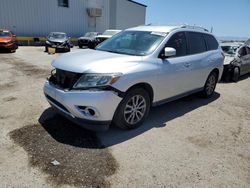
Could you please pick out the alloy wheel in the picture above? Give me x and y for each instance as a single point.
(211, 83)
(135, 109)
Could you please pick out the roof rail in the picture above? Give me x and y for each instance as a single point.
(194, 27)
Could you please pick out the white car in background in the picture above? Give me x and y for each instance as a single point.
(237, 60)
(106, 35)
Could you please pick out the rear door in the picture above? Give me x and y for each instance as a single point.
(199, 60)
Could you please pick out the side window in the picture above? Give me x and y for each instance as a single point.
(212, 43)
(242, 51)
(196, 43)
(178, 42)
(63, 3)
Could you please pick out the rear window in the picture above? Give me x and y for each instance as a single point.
(196, 43)
(212, 43)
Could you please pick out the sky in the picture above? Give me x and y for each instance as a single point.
(229, 18)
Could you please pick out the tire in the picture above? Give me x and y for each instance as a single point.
(210, 85)
(46, 49)
(68, 49)
(128, 117)
(13, 50)
(80, 46)
(236, 74)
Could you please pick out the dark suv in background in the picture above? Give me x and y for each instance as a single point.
(88, 40)
(58, 40)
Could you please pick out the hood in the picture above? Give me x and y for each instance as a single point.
(94, 61)
(5, 39)
(52, 39)
(228, 59)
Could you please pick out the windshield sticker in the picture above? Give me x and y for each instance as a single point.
(163, 34)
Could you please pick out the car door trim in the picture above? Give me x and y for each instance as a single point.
(157, 103)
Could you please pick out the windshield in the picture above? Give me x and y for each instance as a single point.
(90, 34)
(139, 43)
(57, 35)
(230, 49)
(109, 32)
(5, 34)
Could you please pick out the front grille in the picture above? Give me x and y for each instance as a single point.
(84, 41)
(100, 39)
(64, 79)
(56, 43)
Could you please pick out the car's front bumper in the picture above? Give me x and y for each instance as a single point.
(227, 72)
(8, 46)
(71, 103)
(57, 46)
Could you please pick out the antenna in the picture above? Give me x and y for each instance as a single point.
(211, 31)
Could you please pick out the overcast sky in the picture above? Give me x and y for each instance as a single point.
(227, 17)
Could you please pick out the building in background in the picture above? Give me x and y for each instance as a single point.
(75, 17)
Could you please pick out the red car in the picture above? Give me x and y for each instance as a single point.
(7, 40)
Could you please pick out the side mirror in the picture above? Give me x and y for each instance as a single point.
(169, 52)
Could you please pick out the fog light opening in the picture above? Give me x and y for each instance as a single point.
(87, 111)
(91, 111)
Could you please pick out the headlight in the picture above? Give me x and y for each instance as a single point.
(96, 80)
(47, 42)
(10, 42)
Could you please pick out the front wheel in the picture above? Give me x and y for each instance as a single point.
(210, 85)
(67, 49)
(236, 74)
(133, 109)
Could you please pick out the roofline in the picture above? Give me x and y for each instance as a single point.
(137, 3)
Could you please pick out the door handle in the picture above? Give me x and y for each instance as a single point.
(187, 65)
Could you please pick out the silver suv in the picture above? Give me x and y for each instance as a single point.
(132, 71)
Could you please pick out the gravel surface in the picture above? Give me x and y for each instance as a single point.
(191, 142)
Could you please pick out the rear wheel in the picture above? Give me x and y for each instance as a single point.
(236, 74)
(133, 109)
(210, 85)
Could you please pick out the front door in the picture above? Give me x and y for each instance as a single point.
(174, 76)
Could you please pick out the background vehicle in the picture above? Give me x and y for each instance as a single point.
(132, 71)
(88, 40)
(106, 35)
(237, 61)
(7, 40)
(58, 40)
(247, 42)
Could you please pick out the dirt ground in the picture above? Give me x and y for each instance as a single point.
(191, 142)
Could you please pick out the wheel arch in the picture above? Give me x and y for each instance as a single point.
(146, 87)
(217, 72)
